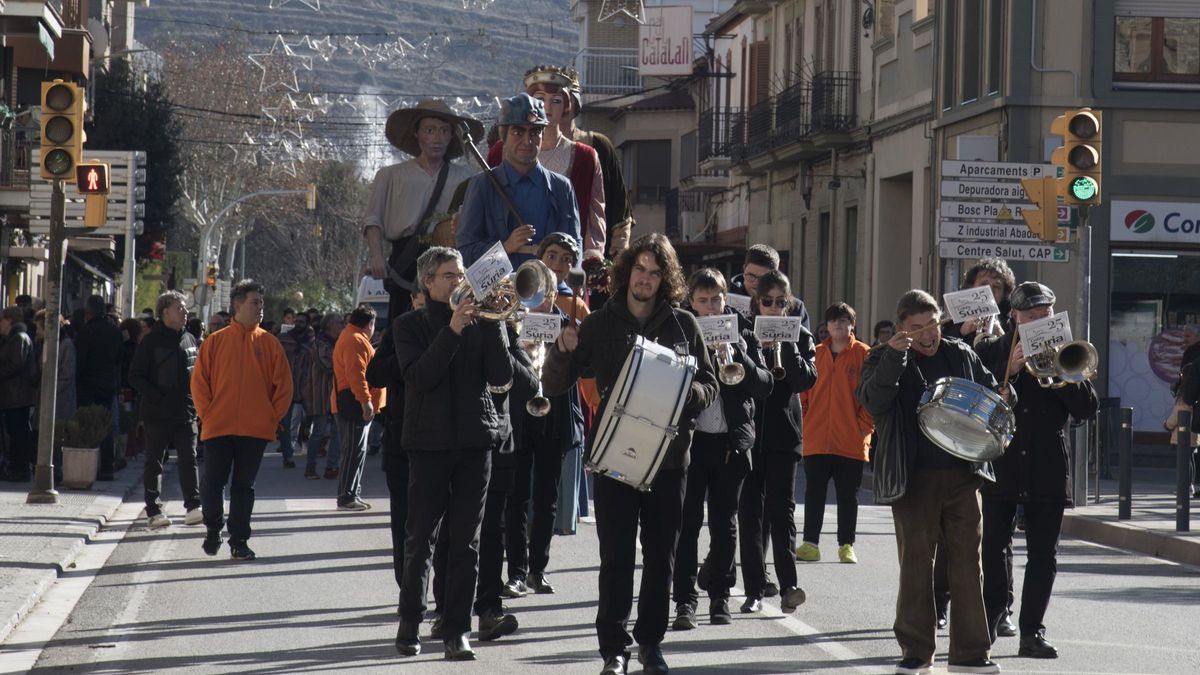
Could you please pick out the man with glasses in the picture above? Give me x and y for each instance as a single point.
(544, 200)
(408, 199)
(761, 259)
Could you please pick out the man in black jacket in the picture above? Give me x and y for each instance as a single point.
(761, 259)
(720, 461)
(647, 282)
(97, 355)
(450, 366)
(18, 393)
(1034, 471)
(161, 372)
(932, 493)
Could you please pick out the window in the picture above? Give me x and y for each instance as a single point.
(851, 258)
(972, 49)
(950, 39)
(823, 233)
(995, 47)
(885, 19)
(922, 9)
(1155, 49)
(651, 171)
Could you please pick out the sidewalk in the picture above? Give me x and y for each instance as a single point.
(38, 541)
(1151, 530)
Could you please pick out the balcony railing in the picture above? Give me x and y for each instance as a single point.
(15, 145)
(716, 133)
(792, 114)
(608, 71)
(834, 98)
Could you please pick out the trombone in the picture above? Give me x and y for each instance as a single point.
(1072, 363)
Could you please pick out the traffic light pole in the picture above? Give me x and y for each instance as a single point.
(42, 491)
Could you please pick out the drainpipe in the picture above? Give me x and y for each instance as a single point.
(1033, 17)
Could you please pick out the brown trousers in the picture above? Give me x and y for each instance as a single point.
(940, 502)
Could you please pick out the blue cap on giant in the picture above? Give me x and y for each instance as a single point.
(523, 110)
(1031, 294)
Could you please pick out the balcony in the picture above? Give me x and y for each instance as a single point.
(834, 107)
(15, 145)
(716, 137)
(800, 122)
(607, 71)
(49, 36)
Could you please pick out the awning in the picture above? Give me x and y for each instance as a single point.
(91, 269)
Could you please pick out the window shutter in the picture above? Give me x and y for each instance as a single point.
(760, 71)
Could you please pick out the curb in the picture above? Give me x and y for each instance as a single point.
(1176, 549)
(99, 513)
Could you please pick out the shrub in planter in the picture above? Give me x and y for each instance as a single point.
(87, 429)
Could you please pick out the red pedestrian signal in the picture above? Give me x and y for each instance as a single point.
(93, 178)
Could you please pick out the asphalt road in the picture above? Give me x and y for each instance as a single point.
(322, 598)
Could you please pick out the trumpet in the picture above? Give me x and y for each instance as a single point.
(729, 371)
(539, 405)
(511, 297)
(1072, 363)
(777, 370)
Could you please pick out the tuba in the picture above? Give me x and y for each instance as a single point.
(512, 296)
(1072, 363)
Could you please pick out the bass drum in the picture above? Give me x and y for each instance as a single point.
(966, 419)
(641, 414)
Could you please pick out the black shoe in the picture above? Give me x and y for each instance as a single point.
(1036, 647)
(615, 665)
(538, 583)
(435, 627)
(1006, 628)
(685, 616)
(651, 658)
(241, 552)
(495, 624)
(914, 667)
(752, 605)
(981, 665)
(212, 543)
(515, 588)
(459, 649)
(791, 599)
(407, 642)
(770, 589)
(718, 612)
(289, 463)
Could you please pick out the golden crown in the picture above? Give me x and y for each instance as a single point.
(567, 78)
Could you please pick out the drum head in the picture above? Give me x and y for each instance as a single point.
(965, 419)
(960, 436)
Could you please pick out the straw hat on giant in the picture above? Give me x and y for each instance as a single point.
(401, 129)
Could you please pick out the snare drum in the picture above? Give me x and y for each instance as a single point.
(966, 419)
(640, 417)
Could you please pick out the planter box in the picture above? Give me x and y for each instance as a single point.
(79, 467)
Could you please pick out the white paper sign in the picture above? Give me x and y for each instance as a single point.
(739, 302)
(491, 267)
(541, 327)
(719, 329)
(971, 303)
(1044, 334)
(777, 328)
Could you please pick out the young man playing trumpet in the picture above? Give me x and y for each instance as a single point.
(720, 460)
(932, 493)
(1034, 472)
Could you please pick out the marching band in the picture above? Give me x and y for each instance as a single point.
(676, 399)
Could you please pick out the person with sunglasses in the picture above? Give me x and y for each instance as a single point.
(544, 200)
(768, 502)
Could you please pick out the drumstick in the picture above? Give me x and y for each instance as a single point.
(918, 331)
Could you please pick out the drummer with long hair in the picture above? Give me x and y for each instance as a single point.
(932, 493)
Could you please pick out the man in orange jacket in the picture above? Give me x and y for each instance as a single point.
(242, 388)
(837, 435)
(354, 403)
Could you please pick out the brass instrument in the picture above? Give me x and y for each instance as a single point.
(777, 370)
(1072, 363)
(512, 296)
(729, 371)
(539, 405)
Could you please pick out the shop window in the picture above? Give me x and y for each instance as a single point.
(1156, 49)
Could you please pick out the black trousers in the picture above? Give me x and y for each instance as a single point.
(159, 437)
(491, 546)
(768, 506)
(716, 473)
(396, 471)
(847, 476)
(538, 474)
(87, 396)
(241, 456)
(446, 488)
(21, 441)
(1043, 523)
(619, 511)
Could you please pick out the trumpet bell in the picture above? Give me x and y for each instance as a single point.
(538, 406)
(508, 299)
(532, 282)
(732, 373)
(1077, 362)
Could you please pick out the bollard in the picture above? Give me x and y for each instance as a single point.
(1125, 455)
(1183, 471)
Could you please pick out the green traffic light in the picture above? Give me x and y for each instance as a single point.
(58, 162)
(1084, 188)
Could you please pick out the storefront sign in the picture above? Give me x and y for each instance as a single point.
(665, 42)
(1010, 252)
(1162, 222)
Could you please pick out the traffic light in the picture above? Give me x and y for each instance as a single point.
(310, 198)
(1080, 156)
(210, 277)
(1042, 221)
(62, 130)
(93, 178)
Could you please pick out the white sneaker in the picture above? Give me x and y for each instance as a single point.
(157, 521)
(193, 517)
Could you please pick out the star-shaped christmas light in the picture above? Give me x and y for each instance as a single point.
(279, 66)
(634, 9)
(313, 4)
(245, 152)
(286, 117)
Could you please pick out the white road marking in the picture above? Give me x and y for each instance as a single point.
(147, 574)
(294, 505)
(43, 623)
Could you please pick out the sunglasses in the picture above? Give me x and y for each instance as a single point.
(774, 302)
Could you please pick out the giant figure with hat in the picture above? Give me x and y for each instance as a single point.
(410, 201)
